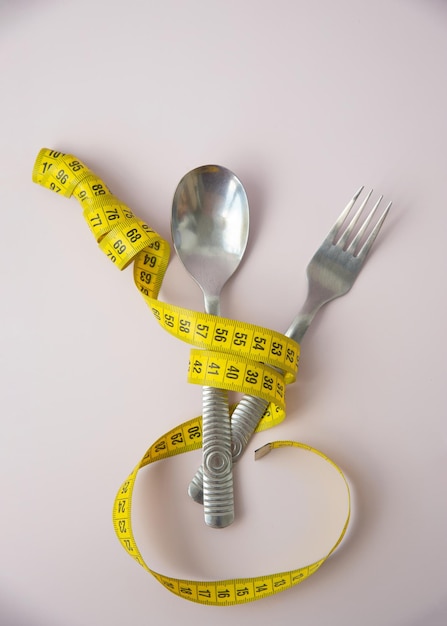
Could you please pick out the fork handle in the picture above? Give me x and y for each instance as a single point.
(244, 421)
(218, 497)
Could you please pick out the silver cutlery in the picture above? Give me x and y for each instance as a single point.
(331, 273)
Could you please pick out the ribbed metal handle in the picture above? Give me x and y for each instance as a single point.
(244, 420)
(250, 409)
(218, 497)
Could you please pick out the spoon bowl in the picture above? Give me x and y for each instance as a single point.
(210, 224)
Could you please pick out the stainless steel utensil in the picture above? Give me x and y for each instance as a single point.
(210, 222)
(331, 273)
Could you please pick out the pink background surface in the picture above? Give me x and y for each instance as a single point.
(304, 101)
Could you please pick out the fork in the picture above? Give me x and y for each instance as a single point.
(331, 273)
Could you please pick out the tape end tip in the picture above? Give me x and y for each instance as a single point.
(262, 451)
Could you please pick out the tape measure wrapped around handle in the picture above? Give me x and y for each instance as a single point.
(228, 354)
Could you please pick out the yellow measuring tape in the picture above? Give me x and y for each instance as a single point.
(227, 354)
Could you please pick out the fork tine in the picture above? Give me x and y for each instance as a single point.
(336, 227)
(348, 230)
(355, 242)
(369, 242)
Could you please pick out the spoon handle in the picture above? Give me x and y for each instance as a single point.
(218, 498)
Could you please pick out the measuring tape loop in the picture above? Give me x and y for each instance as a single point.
(237, 373)
(124, 239)
(220, 334)
(227, 353)
(122, 243)
(182, 439)
(60, 172)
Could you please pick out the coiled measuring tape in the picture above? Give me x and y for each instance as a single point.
(227, 354)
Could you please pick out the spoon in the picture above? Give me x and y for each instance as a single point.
(210, 230)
